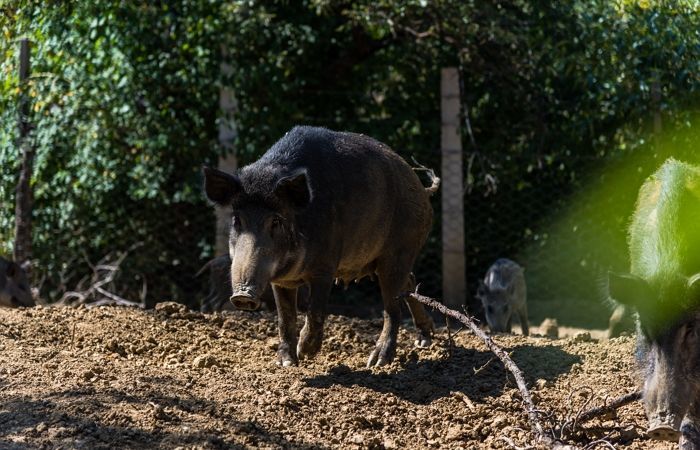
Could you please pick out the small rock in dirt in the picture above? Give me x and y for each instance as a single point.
(41, 427)
(629, 434)
(542, 383)
(205, 361)
(454, 433)
(357, 439)
(170, 307)
(115, 346)
(582, 336)
(550, 328)
(389, 444)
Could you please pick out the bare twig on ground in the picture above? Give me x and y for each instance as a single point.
(609, 407)
(103, 274)
(571, 422)
(597, 442)
(476, 371)
(529, 405)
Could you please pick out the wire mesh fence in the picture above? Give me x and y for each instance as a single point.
(567, 231)
(159, 258)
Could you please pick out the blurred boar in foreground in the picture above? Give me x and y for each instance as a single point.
(664, 288)
(320, 205)
(14, 286)
(503, 294)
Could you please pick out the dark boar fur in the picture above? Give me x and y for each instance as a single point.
(14, 286)
(664, 288)
(320, 205)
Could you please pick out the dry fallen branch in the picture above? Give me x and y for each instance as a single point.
(551, 438)
(103, 275)
(529, 405)
(610, 407)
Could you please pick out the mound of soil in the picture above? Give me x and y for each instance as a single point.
(111, 377)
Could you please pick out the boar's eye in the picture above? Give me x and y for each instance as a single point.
(276, 224)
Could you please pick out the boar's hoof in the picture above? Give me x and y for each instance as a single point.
(287, 361)
(663, 433)
(308, 346)
(423, 341)
(381, 356)
(690, 437)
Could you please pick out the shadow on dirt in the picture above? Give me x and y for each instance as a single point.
(477, 374)
(81, 418)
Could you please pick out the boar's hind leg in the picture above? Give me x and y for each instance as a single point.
(287, 317)
(312, 333)
(393, 276)
(421, 319)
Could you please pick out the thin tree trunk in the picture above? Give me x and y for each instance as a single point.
(24, 199)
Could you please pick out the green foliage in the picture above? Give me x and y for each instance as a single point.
(125, 105)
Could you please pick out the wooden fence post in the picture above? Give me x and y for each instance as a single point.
(228, 162)
(22, 251)
(454, 285)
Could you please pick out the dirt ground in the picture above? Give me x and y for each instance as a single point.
(114, 377)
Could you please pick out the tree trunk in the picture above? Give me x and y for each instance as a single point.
(23, 199)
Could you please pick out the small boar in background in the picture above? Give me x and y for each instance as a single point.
(503, 295)
(663, 286)
(14, 285)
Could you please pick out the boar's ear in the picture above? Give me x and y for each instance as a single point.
(220, 187)
(628, 289)
(295, 188)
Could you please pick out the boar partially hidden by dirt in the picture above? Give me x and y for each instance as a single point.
(664, 288)
(503, 294)
(320, 205)
(14, 286)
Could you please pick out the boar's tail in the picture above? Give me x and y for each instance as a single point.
(434, 179)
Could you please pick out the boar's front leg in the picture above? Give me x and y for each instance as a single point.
(285, 299)
(312, 332)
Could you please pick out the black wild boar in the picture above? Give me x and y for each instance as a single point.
(503, 294)
(664, 288)
(14, 286)
(320, 205)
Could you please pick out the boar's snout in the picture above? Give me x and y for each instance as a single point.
(246, 299)
(663, 433)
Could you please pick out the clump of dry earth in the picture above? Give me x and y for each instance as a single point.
(113, 377)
